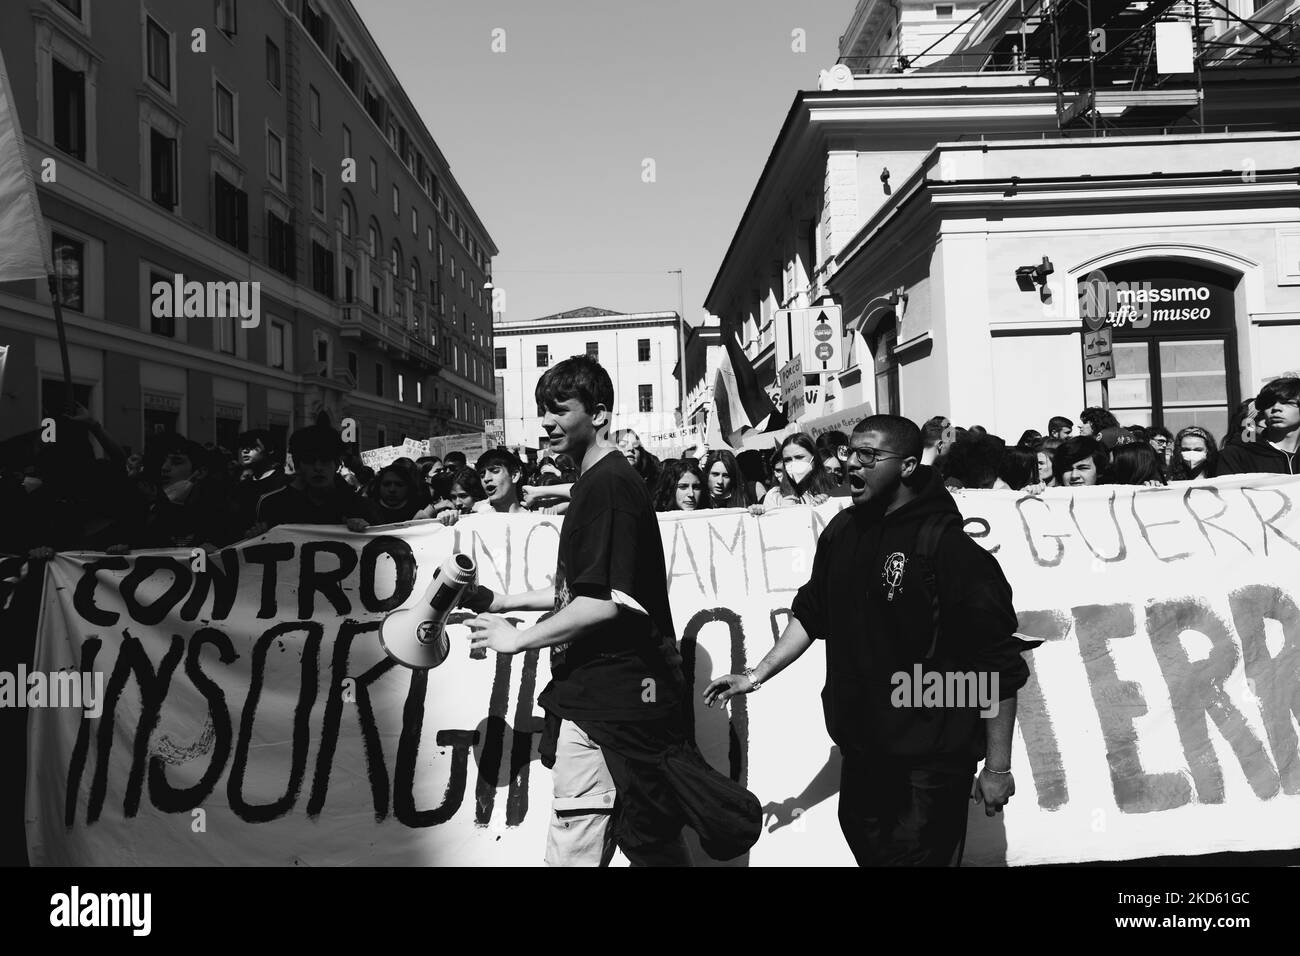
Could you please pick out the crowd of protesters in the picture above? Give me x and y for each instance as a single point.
(178, 493)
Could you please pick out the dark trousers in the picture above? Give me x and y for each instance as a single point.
(893, 814)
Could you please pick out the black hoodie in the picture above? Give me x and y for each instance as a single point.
(1256, 457)
(871, 637)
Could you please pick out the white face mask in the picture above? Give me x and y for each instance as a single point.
(1193, 458)
(797, 471)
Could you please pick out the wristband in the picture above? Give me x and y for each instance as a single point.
(998, 772)
(755, 683)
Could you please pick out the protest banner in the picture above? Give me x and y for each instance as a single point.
(671, 444)
(250, 717)
(471, 445)
(377, 458)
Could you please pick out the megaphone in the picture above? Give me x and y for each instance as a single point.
(416, 636)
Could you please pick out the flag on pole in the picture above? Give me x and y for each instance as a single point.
(24, 243)
(739, 402)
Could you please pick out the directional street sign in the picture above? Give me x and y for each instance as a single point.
(817, 335)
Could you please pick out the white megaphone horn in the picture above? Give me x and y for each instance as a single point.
(416, 636)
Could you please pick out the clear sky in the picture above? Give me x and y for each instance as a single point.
(548, 138)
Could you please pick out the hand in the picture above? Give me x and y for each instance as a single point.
(358, 524)
(495, 632)
(756, 510)
(118, 549)
(725, 688)
(820, 499)
(41, 553)
(529, 495)
(993, 790)
(448, 518)
(255, 530)
(1035, 489)
(78, 413)
(1155, 483)
(783, 814)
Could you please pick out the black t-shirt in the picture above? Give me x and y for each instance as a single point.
(609, 541)
(291, 505)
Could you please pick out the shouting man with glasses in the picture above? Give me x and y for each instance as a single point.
(898, 591)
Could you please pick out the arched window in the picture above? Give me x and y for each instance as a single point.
(394, 258)
(374, 237)
(882, 343)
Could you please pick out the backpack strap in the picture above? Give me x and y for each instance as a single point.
(933, 528)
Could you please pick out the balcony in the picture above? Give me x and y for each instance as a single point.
(360, 324)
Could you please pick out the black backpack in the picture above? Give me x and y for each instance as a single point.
(925, 552)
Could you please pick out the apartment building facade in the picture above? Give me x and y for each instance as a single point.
(641, 351)
(234, 141)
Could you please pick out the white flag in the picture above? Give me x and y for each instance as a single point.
(24, 243)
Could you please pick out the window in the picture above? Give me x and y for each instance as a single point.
(231, 213)
(279, 245)
(158, 43)
(272, 63)
(439, 255)
(401, 387)
(225, 114)
(345, 66)
(455, 406)
(543, 358)
(322, 270)
(276, 346)
(274, 157)
(161, 325)
(374, 298)
(72, 6)
(397, 200)
(645, 398)
(886, 365)
(315, 24)
(429, 231)
(593, 351)
(70, 268)
(317, 192)
(162, 169)
(69, 111)
(643, 350)
(501, 358)
(379, 379)
(381, 436)
(352, 365)
(226, 17)
(347, 218)
(313, 106)
(374, 176)
(943, 11)
(225, 330)
(419, 391)
(455, 359)
(415, 222)
(322, 348)
(452, 260)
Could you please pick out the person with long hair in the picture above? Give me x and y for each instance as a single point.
(1195, 454)
(643, 463)
(466, 495)
(1133, 464)
(681, 486)
(724, 485)
(803, 481)
(397, 493)
(1018, 468)
(1044, 451)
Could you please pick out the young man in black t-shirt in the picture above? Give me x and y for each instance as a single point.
(616, 698)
